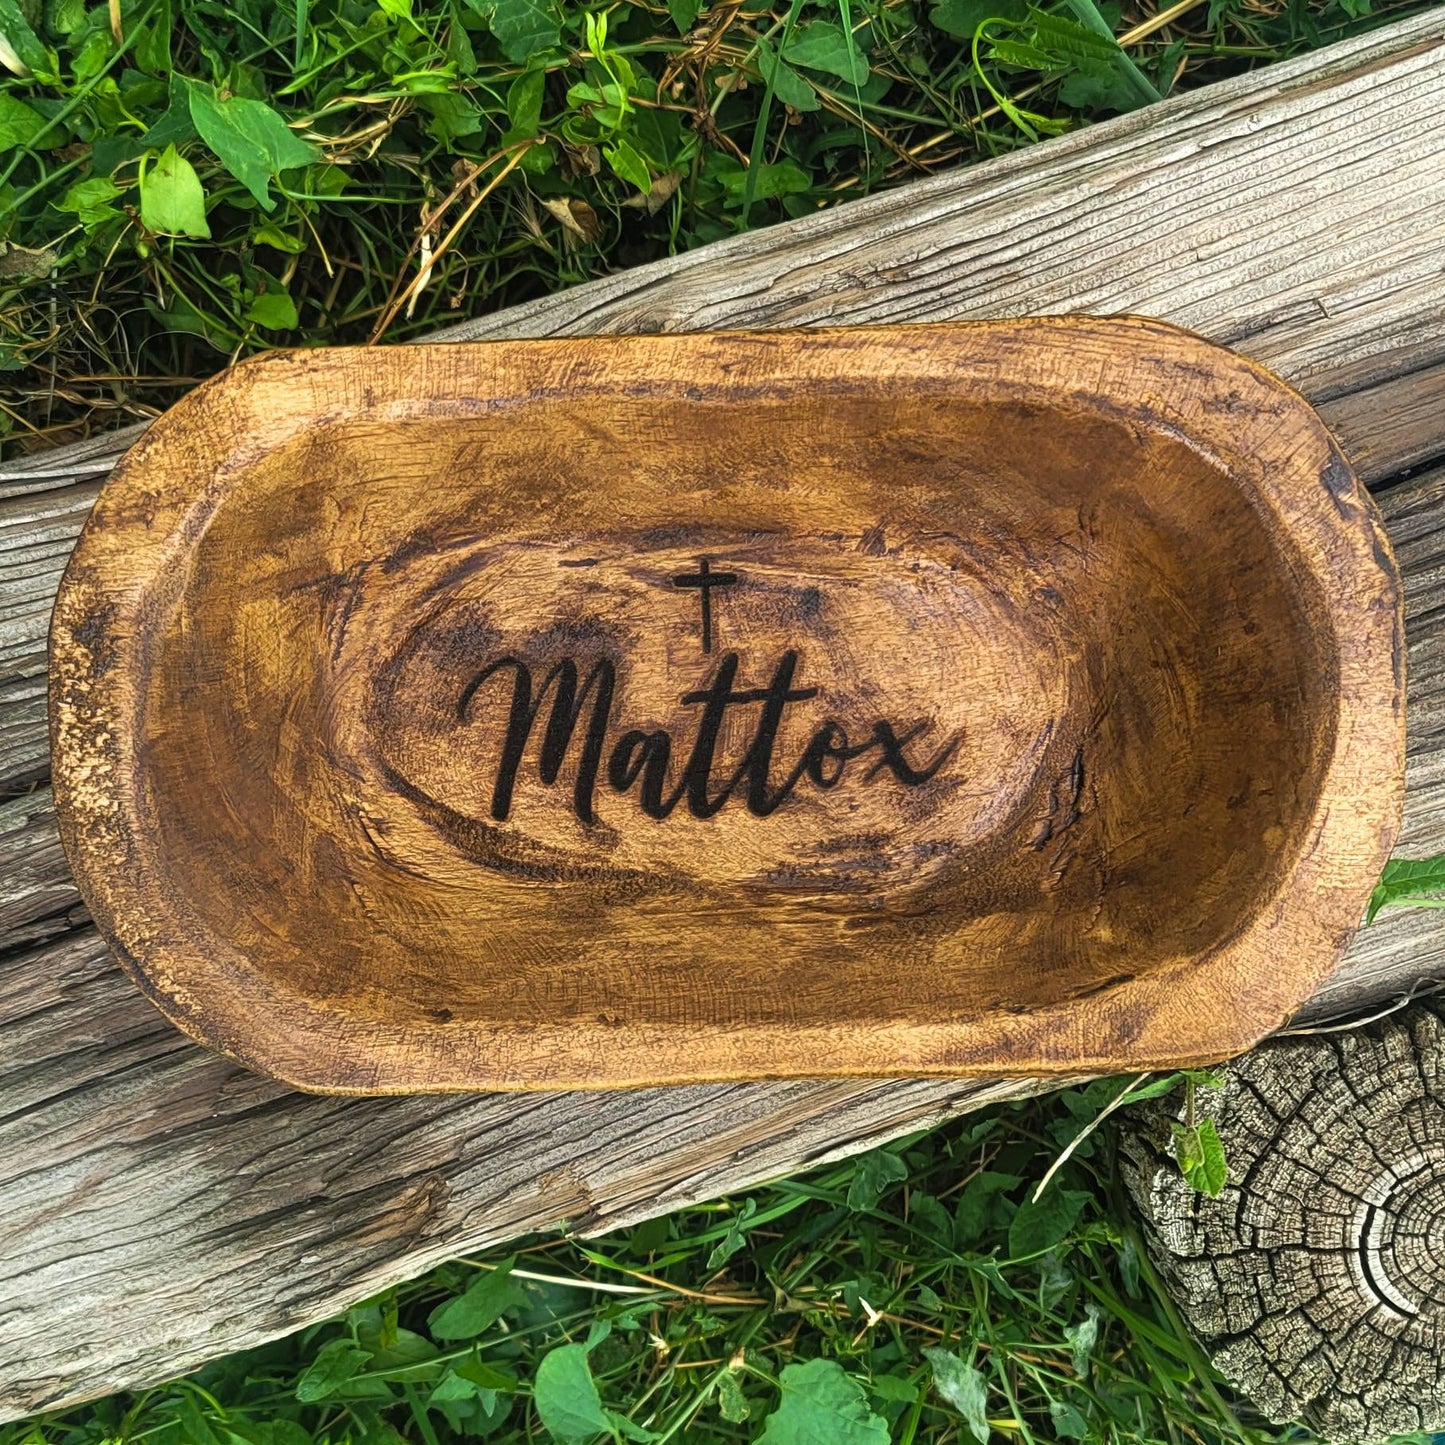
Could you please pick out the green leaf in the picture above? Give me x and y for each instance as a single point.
(1409, 880)
(1089, 88)
(182, 315)
(327, 180)
(735, 1238)
(452, 116)
(20, 124)
(963, 1386)
(825, 46)
(822, 1405)
(524, 102)
(775, 178)
(24, 44)
(486, 1300)
(195, 1428)
(275, 310)
(684, 13)
(403, 1354)
(628, 164)
(1021, 53)
(67, 18)
(1056, 1279)
(731, 1404)
(175, 126)
(787, 84)
(1070, 42)
(1040, 1224)
(435, 83)
(152, 49)
(91, 58)
(929, 1217)
(1166, 65)
(1201, 1157)
(566, 1397)
(894, 1389)
(485, 1376)
(1092, 18)
(872, 1174)
(112, 153)
(522, 27)
(629, 1429)
(1068, 1423)
(1156, 1088)
(453, 1386)
(90, 200)
(963, 17)
(334, 1365)
(1082, 1338)
(1127, 1254)
(249, 138)
(470, 1408)
(284, 1432)
(982, 1206)
(268, 233)
(172, 202)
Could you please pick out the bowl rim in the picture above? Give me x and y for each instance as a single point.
(122, 574)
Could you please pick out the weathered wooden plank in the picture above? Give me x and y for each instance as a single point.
(38, 528)
(161, 1206)
(1392, 425)
(1404, 947)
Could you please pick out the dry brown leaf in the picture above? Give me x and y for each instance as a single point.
(659, 193)
(577, 217)
(581, 160)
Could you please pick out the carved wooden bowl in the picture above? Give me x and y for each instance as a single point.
(1013, 698)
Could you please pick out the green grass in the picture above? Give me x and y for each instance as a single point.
(918, 1293)
(186, 181)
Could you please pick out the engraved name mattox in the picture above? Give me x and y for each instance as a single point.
(575, 710)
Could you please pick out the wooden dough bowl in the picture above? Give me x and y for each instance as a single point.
(1022, 697)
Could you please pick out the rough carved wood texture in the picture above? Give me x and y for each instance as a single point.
(1316, 1280)
(1049, 719)
(161, 1205)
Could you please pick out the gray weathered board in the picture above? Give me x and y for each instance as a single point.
(159, 1206)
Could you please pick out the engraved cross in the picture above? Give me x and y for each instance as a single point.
(705, 579)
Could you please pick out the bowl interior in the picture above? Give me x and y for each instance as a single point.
(993, 705)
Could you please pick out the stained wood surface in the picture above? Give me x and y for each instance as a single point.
(1049, 717)
(162, 1206)
(1315, 1280)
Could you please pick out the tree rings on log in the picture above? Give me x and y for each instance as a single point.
(1316, 1280)
(1009, 698)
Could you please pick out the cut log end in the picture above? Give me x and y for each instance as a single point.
(1316, 1280)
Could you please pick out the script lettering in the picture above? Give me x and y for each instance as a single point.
(642, 760)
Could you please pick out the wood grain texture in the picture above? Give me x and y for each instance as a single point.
(1315, 1280)
(1050, 718)
(162, 1206)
